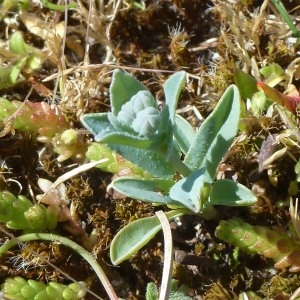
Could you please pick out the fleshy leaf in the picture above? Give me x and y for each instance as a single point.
(127, 139)
(17, 44)
(98, 124)
(122, 88)
(216, 134)
(230, 193)
(187, 191)
(146, 122)
(139, 114)
(137, 234)
(275, 244)
(115, 163)
(152, 291)
(148, 190)
(172, 88)
(184, 133)
(149, 161)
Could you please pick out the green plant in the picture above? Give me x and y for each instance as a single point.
(68, 243)
(155, 140)
(15, 4)
(21, 214)
(31, 117)
(48, 123)
(23, 57)
(275, 244)
(176, 292)
(19, 288)
(291, 103)
(52, 6)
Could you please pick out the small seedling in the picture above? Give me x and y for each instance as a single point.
(23, 57)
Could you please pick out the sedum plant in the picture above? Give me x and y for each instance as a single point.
(18, 288)
(275, 244)
(36, 290)
(31, 117)
(20, 213)
(154, 140)
(47, 122)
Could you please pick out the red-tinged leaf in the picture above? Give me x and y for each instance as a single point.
(290, 103)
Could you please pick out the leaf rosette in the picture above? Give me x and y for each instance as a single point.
(136, 128)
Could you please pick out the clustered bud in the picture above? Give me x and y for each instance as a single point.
(140, 114)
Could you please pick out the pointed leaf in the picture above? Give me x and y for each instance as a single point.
(230, 193)
(216, 134)
(172, 89)
(122, 88)
(137, 234)
(184, 133)
(245, 83)
(148, 190)
(289, 103)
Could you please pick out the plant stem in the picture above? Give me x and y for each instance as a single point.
(66, 242)
(286, 17)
